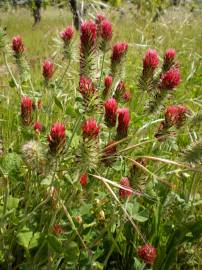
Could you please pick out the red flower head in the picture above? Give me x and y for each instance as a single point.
(88, 47)
(88, 35)
(57, 229)
(26, 110)
(119, 51)
(170, 54)
(106, 30)
(90, 129)
(148, 253)
(123, 122)
(84, 179)
(120, 89)
(170, 79)
(108, 83)
(48, 69)
(67, 34)
(109, 152)
(38, 127)
(175, 115)
(100, 18)
(169, 58)
(110, 112)
(57, 138)
(127, 96)
(17, 45)
(124, 193)
(86, 86)
(150, 60)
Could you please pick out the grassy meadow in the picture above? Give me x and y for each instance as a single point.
(178, 28)
(96, 224)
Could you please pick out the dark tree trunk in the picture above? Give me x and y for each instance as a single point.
(37, 11)
(76, 13)
(176, 2)
(15, 4)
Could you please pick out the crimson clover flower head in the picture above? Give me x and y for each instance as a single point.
(170, 79)
(106, 30)
(17, 45)
(56, 138)
(38, 126)
(110, 112)
(175, 115)
(108, 81)
(169, 60)
(123, 122)
(147, 253)
(170, 54)
(124, 193)
(88, 34)
(90, 129)
(84, 179)
(150, 60)
(67, 34)
(86, 86)
(99, 18)
(26, 110)
(120, 89)
(48, 69)
(26, 102)
(119, 51)
(57, 131)
(127, 96)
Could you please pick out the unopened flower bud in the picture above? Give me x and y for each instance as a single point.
(48, 69)
(38, 126)
(147, 253)
(84, 179)
(123, 122)
(110, 112)
(57, 138)
(125, 191)
(26, 110)
(17, 45)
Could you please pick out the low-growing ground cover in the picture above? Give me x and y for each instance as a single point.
(101, 147)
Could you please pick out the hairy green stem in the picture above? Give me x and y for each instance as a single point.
(63, 75)
(6, 195)
(102, 68)
(74, 130)
(17, 85)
